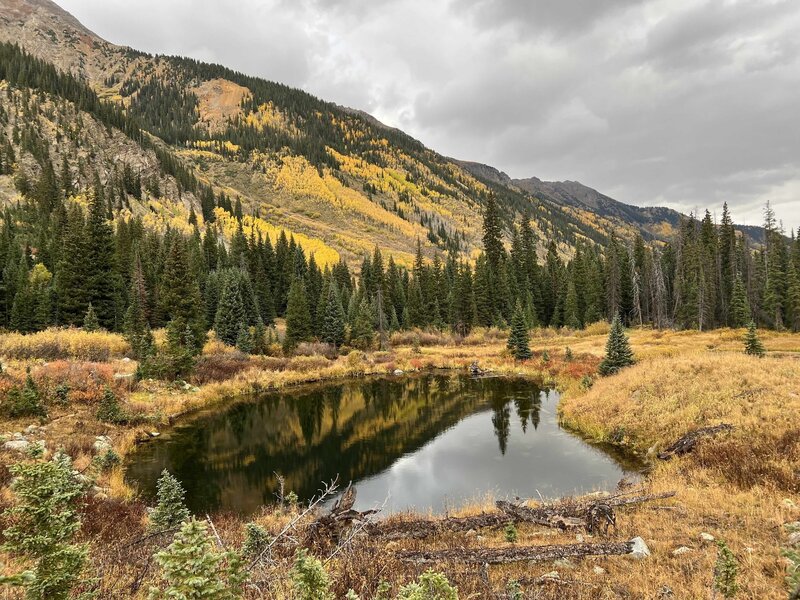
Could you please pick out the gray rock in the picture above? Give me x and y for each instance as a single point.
(794, 538)
(640, 549)
(599, 571)
(681, 550)
(102, 444)
(17, 445)
(398, 371)
(154, 434)
(471, 533)
(706, 537)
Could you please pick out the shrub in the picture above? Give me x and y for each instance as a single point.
(256, 540)
(510, 533)
(725, 571)
(26, 402)
(110, 410)
(43, 525)
(69, 343)
(220, 366)
(430, 586)
(191, 567)
(309, 578)
(170, 511)
(752, 343)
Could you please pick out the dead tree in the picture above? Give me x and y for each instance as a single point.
(493, 556)
(687, 443)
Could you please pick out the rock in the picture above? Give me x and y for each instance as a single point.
(126, 360)
(640, 549)
(564, 563)
(479, 538)
(153, 434)
(398, 371)
(599, 571)
(681, 550)
(17, 445)
(18, 436)
(101, 496)
(471, 533)
(706, 537)
(579, 538)
(101, 444)
(794, 538)
(31, 429)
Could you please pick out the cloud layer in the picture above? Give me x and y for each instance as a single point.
(685, 103)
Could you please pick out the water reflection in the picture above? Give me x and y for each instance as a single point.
(426, 441)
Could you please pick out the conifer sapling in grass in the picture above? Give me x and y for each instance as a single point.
(309, 578)
(192, 567)
(752, 344)
(170, 510)
(618, 350)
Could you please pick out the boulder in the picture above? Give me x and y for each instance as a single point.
(706, 537)
(17, 445)
(640, 549)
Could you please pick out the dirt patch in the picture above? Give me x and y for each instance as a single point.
(218, 101)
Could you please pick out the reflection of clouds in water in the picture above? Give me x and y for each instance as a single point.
(465, 463)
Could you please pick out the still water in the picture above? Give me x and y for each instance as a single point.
(426, 442)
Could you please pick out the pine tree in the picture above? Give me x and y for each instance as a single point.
(752, 344)
(618, 350)
(333, 318)
(170, 511)
(298, 318)
(244, 341)
(136, 325)
(740, 314)
(230, 315)
(519, 338)
(571, 317)
(102, 282)
(362, 333)
(725, 571)
(309, 579)
(192, 568)
(43, 523)
(90, 320)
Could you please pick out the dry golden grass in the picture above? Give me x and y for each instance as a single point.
(734, 487)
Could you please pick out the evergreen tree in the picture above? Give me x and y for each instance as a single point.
(90, 320)
(618, 350)
(244, 341)
(752, 344)
(740, 314)
(136, 326)
(571, 317)
(42, 525)
(519, 338)
(333, 318)
(102, 281)
(298, 318)
(192, 568)
(170, 510)
(362, 333)
(230, 316)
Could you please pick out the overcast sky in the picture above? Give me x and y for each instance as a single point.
(685, 103)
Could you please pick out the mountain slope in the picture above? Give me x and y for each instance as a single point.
(335, 176)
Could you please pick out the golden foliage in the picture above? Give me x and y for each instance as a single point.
(53, 343)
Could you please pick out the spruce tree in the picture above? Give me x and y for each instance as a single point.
(193, 568)
(136, 325)
(102, 282)
(244, 341)
(571, 317)
(618, 350)
(42, 525)
(298, 318)
(519, 338)
(170, 510)
(740, 314)
(362, 333)
(90, 320)
(333, 318)
(230, 314)
(752, 344)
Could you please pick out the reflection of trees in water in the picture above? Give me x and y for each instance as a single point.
(354, 429)
(529, 406)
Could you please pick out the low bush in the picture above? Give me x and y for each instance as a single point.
(65, 343)
(219, 366)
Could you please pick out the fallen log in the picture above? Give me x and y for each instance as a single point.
(495, 556)
(421, 528)
(548, 516)
(687, 443)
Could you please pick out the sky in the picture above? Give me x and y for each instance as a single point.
(681, 103)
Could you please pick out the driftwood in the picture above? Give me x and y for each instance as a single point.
(341, 516)
(687, 443)
(561, 515)
(495, 556)
(422, 528)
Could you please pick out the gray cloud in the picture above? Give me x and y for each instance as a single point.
(686, 103)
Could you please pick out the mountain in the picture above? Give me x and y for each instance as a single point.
(211, 142)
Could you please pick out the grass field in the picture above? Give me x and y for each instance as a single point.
(741, 487)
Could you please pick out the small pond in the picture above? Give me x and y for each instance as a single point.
(427, 442)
